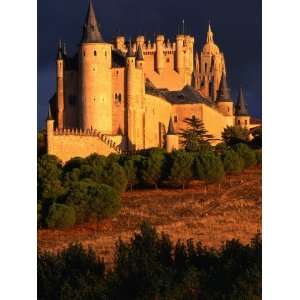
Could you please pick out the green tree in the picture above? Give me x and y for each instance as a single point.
(49, 171)
(181, 168)
(258, 155)
(152, 167)
(194, 135)
(246, 153)
(233, 135)
(131, 165)
(104, 201)
(208, 166)
(41, 143)
(256, 142)
(233, 163)
(61, 216)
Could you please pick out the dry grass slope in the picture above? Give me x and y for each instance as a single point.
(209, 214)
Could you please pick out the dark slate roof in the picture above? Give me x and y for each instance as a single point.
(241, 107)
(171, 127)
(224, 91)
(91, 32)
(139, 54)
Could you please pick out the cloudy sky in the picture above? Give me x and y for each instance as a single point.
(236, 26)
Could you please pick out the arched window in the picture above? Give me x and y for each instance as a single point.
(116, 96)
(120, 98)
(95, 53)
(105, 53)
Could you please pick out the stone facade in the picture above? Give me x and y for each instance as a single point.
(121, 96)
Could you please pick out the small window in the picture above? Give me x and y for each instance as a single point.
(168, 60)
(245, 122)
(83, 53)
(120, 98)
(95, 53)
(116, 96)
(228, 109)
(105, 53)
(239, 122)
(175, 119)
(205, 67)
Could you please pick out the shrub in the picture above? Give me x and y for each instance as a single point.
(152, 167)
(61, 216)
(246, 153)
(207, 166)
(104, 201)
(233, 135)
(232, 162)
(49, 171)
(181, 168)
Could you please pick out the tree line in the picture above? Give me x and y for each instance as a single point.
(151, 267)
(85, 189)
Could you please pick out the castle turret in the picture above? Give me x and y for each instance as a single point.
(60, 86)
(242, 116)
(139, 59)
(50, 129)
(95, 77)
(135, 102)
(223, 100)
(179, 54)
(160, 53)
(140, 40)
(120, 43)
(172, 140)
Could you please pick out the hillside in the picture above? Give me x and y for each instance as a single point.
(209, 214)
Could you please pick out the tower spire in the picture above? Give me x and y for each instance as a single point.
(130, 50)
(241, 107)
(224, 91)
(91, 32)
(210, 35)
(139, 54)
(59, 51)
(49, 117)
(171, 127)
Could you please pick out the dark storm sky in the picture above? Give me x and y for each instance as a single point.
(236, 26)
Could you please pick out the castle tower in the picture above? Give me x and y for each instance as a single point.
(50, 129)
(212, 65)
(135, 92)
(242, 116)
(223, 100)
(95, 77)
(179, 54)
(172, 140)
(160, 59)
(60, 86)
(139, 59)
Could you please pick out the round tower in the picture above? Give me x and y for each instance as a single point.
(224, 101)
(179, 54)
(50, 129)
(160, 59)
(60, 86)
(95, 77)
(242, 117)
(172, 140)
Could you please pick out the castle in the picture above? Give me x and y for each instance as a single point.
(127, 96)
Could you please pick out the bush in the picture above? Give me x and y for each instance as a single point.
(246, 153)
(104, 201)
(209, 167)
(181, 168)
(233, 135)
(49, 171)
(152, 167)
(61, 216)
(233, 163)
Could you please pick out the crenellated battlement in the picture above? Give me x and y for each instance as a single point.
(88, 133)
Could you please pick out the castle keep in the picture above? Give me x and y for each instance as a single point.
(131, 95)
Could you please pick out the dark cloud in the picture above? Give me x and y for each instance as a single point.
(236, 25)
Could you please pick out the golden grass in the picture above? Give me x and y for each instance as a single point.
(232, 210)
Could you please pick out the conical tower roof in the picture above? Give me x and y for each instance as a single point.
(241, 107)
(171, 127)
(60, 54)
(139, 54)
(210, 35)
(49, 117)
(91, 32)
(130, 52)
(224, 91)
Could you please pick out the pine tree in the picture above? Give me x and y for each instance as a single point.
(195, 135)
